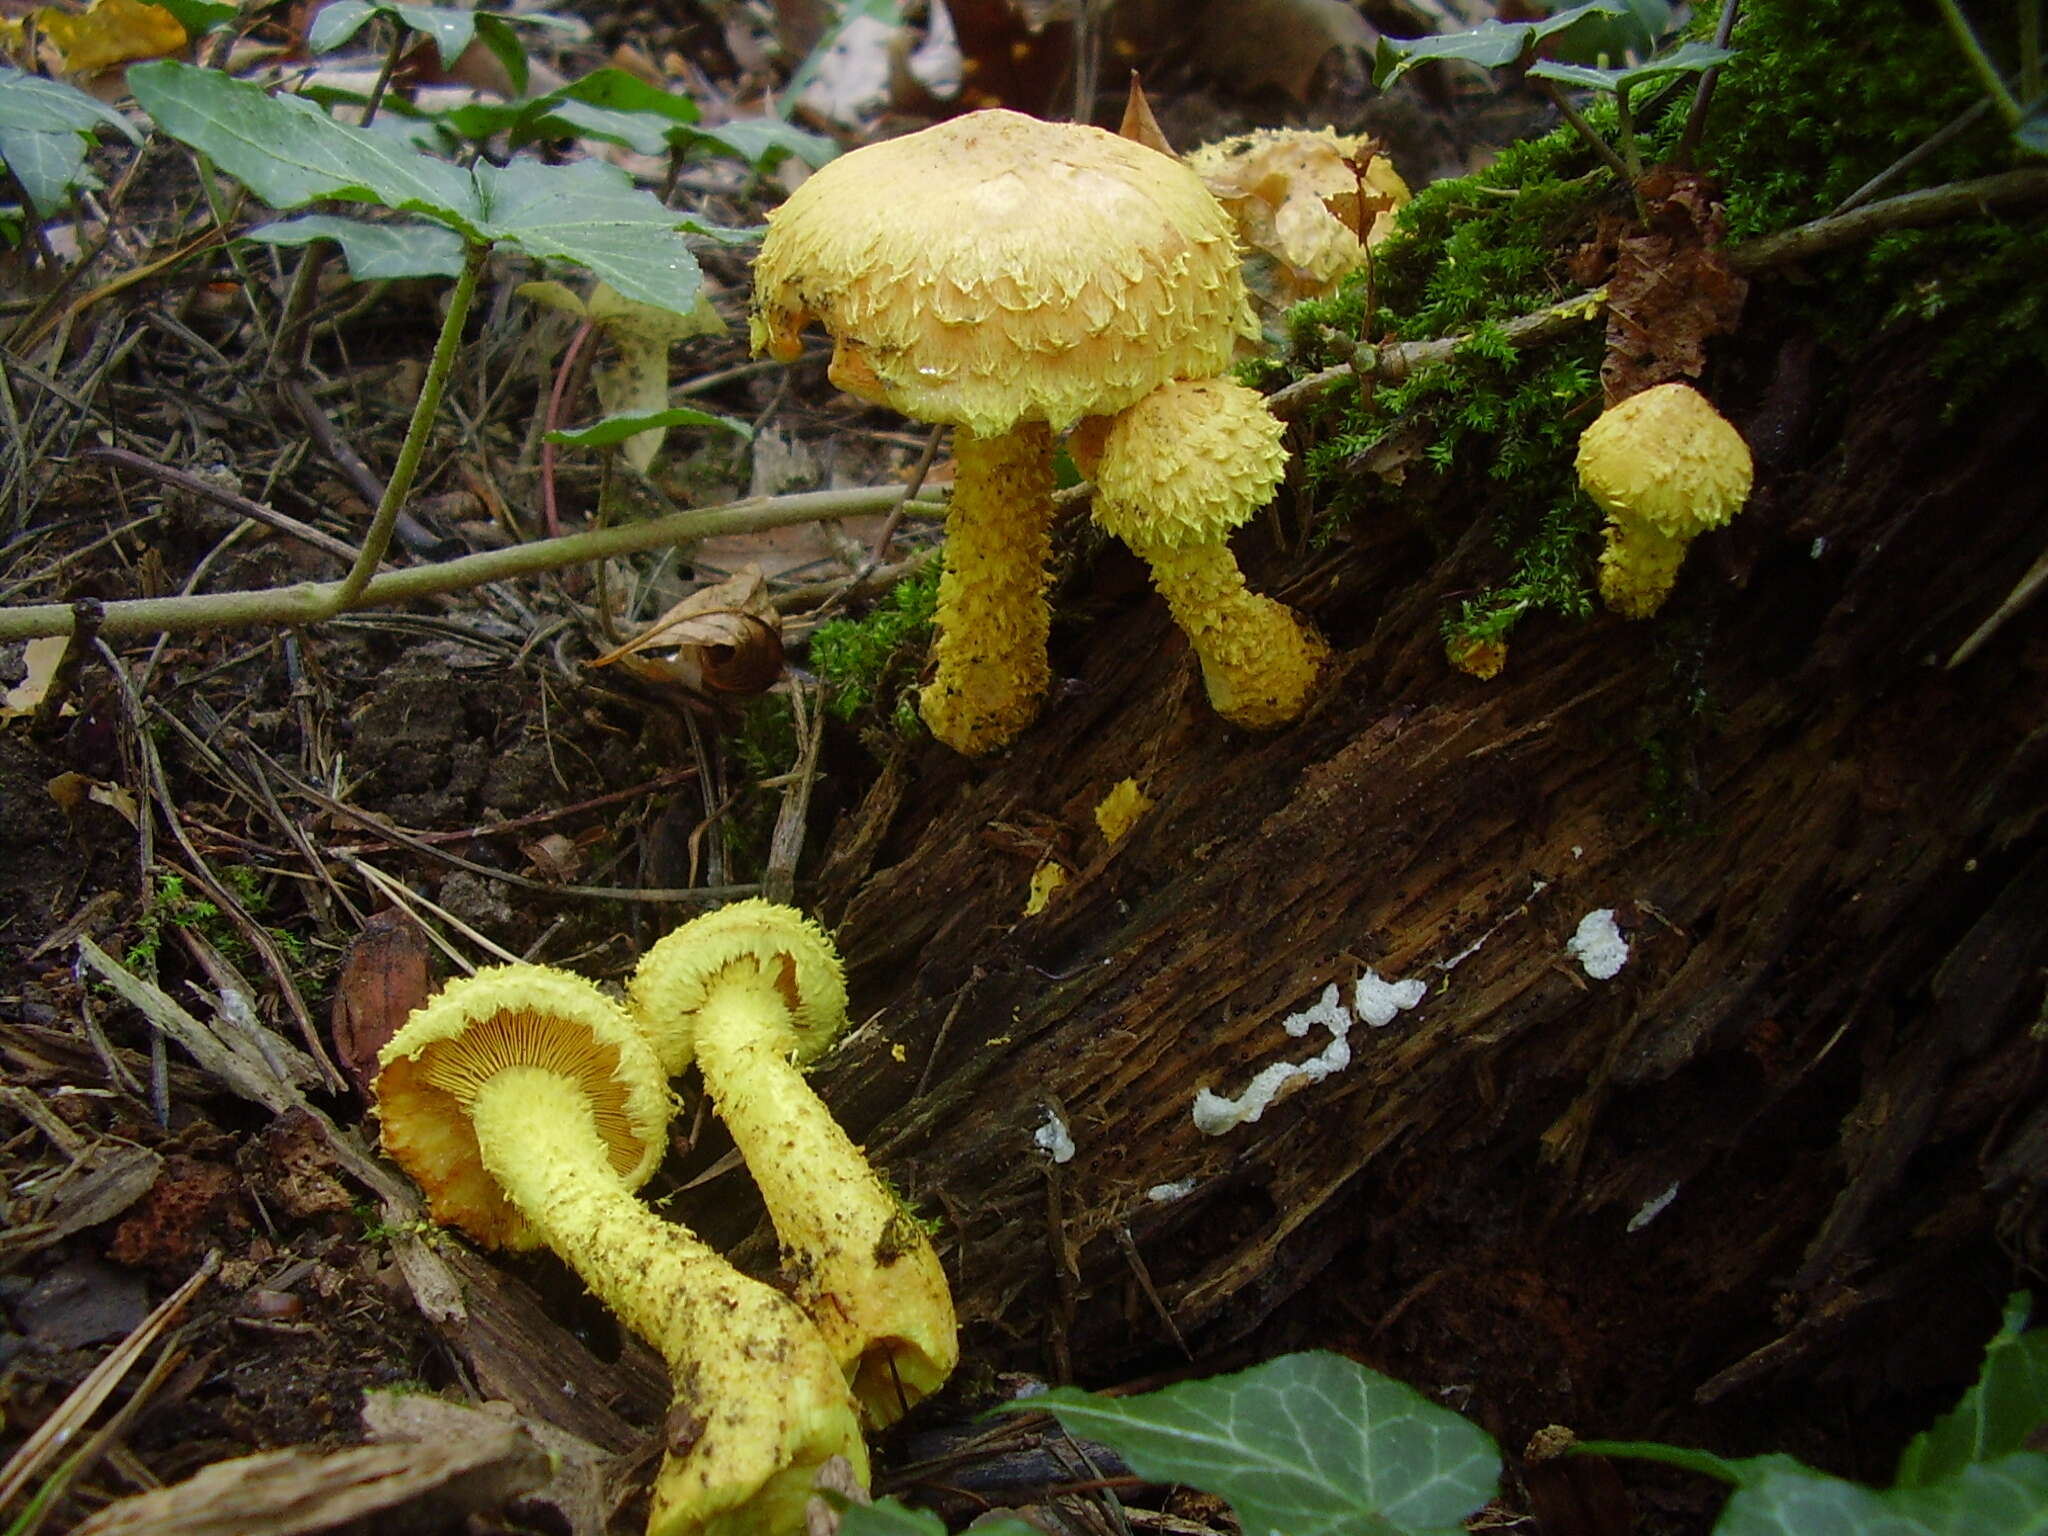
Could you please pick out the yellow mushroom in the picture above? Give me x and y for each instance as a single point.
(1665, 466)
(753, 992)
(1006, 276)
(1174, 474)
(528, 1107)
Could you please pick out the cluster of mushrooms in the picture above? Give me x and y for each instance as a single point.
(1017, 280)
(529, 1106)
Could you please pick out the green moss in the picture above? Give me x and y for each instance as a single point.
(871, 663)
(1823, 96)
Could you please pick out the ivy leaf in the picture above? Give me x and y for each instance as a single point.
(1690, 59)
(2007, 1403)
(374, 251)
(1780, 1497)
(288, 153)
(46, 127)
(199, 17)
(763, 141)
(1308, 1444)
(1491, 45)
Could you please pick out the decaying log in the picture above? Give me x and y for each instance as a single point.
(1825, 850)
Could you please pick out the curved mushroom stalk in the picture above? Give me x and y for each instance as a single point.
(1174, 474)
(751, 993)
(992, 618)
(528, 1107)
(1259, 661)
(1638, 567)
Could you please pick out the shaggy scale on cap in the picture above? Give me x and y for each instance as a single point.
(997, 269)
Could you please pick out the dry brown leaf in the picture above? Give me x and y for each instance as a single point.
(1671, 290)
(1310, 200)
(725, 638)
(385, 977)
(1139, 125)
(40, 657)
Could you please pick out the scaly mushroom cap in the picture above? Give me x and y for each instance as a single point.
(1668, 459)
(996, 269)
(512, 1016)
(1188, 463)
(669, 985)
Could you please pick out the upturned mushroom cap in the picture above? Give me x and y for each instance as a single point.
(675, 975)
(1188, 463)
(996, 269)
(1666, 458)
(512, 1016)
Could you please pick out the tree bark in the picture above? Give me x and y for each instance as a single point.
(1824, 848)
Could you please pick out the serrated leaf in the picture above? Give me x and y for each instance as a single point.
(288, 152)
(374, 251)
(616, 429)
(1305, 1445)
(1691, 59)
(593, 215)
(2007, 1403)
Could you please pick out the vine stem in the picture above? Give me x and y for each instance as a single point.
(424, 410)
(1987, 73)
(310, 602)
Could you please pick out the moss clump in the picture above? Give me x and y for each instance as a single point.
(871, 663)
(1824, 94)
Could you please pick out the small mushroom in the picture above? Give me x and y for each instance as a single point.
(1174, 474)
(528, 1108)
(1006, 276)
(753, 992)
(1665, 467)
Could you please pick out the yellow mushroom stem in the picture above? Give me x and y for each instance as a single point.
(1259, 661)
(1638, 567)
(760, 1405)
(992, 618)
(862, 1266)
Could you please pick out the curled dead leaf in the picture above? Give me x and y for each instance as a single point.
(722, 639)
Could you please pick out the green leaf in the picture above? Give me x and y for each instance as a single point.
(616, 429)
(1490, 45)
(46, 128)
(2007, 1404)
(374, 251)
(287, 151)
(199, 17)
(763, 141)
(1305, 1445)
(450, 29)
(337, 22)
(1690, 59)
(1780, 1497)
(591, 214)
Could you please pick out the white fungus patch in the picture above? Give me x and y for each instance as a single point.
(1598, 945)
(1376, 1000)
(1166, 1194)
(1653, 1208)
(1053, 1139)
